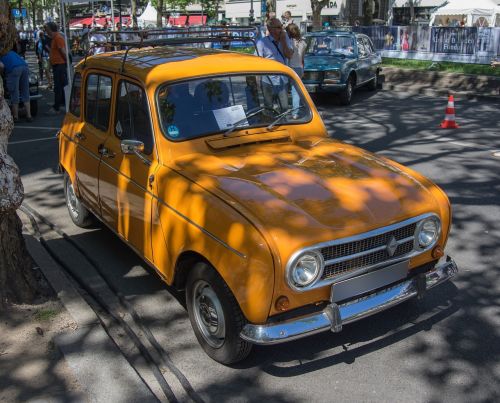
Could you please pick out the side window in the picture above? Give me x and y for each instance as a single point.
(98, 106)
(76, 92)
(368, 46)
(132, 115)
(361, 47)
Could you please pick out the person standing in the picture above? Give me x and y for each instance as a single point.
(296, 62)
(17, 79)
(42, 49)
(287, 19)
(276, 46)
(58, 57)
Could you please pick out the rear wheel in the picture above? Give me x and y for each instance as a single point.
(346, 95)
(77, 211)
(215, 315)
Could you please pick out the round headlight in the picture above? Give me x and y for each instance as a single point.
(306, 269)
(428, 232)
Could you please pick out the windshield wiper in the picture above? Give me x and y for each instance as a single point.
(239, 122)
(282, 115)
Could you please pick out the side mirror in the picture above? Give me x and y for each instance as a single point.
(132, 146)
(135, 147)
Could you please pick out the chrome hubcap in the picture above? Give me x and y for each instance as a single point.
(208, 314)
(72, 201)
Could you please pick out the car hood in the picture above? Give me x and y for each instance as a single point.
(313, 190)
(324, 62)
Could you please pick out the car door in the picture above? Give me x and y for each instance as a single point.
(372, 56)
(363, 61)
(92, 136)
(126, 179)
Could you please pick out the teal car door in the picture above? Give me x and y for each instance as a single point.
(363, 70)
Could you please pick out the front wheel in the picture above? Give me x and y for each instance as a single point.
(215, 315)
(77, 211)
(346, 95)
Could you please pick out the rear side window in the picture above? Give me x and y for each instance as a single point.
(76, 92)
(132, 115)
(368, 45)
(98, 105)
(361, 47)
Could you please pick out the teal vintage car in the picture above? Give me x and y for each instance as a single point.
(339, 62)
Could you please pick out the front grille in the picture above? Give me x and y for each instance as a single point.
(347, 250)
(312, 76)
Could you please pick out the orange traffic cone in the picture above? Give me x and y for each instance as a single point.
(449, 117)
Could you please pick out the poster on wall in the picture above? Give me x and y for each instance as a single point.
(485, 41)
(453, 40)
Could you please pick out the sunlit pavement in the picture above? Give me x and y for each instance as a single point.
(445, 349)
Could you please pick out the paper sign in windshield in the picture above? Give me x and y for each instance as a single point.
(227, 117)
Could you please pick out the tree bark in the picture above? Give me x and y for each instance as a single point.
(316, 7)
(133, 11)
(159, 15)
(19, 283)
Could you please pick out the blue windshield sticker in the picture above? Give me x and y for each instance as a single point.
(173, 131)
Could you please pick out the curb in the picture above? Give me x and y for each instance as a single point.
(98, 365)
(436, 92)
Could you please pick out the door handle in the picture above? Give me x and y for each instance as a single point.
(105, 152)
(80, 136)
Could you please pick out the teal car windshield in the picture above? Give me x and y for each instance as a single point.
(224, 104)
(330, 45)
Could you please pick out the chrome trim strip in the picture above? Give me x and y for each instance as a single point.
(274, 333)
(366, 252)
(359, 237)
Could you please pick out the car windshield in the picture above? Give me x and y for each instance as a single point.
(196, 108)
(326, 45)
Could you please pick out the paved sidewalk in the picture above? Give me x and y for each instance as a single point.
(97, 363)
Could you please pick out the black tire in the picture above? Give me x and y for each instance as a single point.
(34, 107)
(373, 84)
(346, 94)
(77, 211)
(219, 334)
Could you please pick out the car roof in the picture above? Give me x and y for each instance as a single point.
(169, 63)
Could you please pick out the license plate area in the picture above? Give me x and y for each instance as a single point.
(368, 282)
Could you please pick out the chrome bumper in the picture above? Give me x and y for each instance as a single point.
(334, 316)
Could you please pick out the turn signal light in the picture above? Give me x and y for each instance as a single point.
(282, 303)
(437, 252)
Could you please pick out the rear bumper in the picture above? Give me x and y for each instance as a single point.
(334, 316)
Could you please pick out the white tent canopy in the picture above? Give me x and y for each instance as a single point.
(471, 13)
(148, 18)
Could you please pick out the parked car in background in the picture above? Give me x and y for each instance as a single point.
(34, 93)
(340, 61)
(274, 230)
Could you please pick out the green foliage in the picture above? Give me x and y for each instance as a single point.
(476, 69)
(45, 314)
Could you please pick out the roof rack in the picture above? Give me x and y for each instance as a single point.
(177, 36)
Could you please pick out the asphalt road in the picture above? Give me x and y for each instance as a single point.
(444, 349)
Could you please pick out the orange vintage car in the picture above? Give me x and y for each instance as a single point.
(216, 168)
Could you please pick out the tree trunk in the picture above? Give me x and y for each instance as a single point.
(133, 8)
(159, 15)
(412, 12)
(18, 282)
(316, 7)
